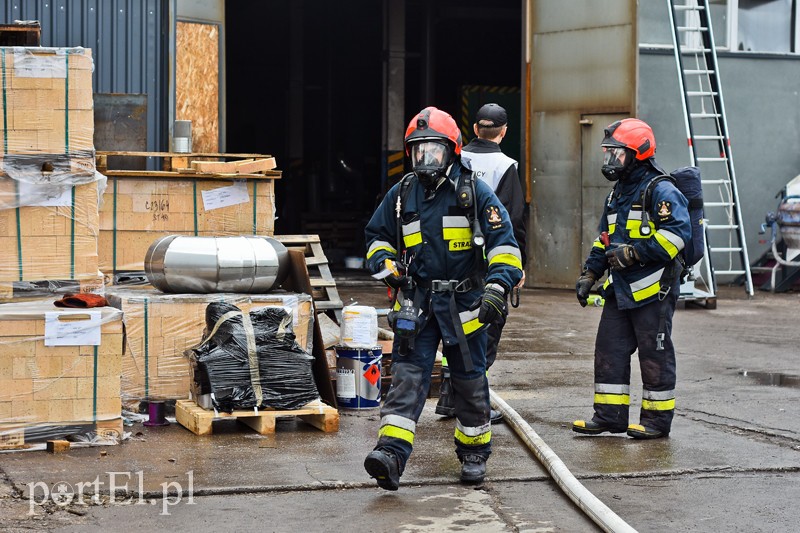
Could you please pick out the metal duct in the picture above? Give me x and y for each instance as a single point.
(184, 264)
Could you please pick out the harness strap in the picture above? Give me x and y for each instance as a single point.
(666, 282)
(462, 339)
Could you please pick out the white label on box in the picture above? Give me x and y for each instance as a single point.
(226, 196)
(72, 329)
(30, 65)
(45, 195)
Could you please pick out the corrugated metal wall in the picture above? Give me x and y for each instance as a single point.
(128, 42)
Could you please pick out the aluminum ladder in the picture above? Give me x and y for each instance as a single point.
(709, 141)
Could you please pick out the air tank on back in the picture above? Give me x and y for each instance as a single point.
(187, 264)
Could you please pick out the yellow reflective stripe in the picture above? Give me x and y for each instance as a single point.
(612, 228)
(612, 399)
(506, 259)
(450, 234)
(658, 405)
(670, 248)
(608, 282)
(598, 244)
(412, 240)
(397, 433)
(380, 245)
(633, 227)
(477, 440)
(471, 326)
(647, 292)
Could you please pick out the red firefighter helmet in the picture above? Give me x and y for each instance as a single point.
(633, 134)
(433, 124)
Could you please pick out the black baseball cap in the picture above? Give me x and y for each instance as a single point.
(491, 113)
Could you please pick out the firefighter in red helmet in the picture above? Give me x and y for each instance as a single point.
(642, 287)
(445, 243)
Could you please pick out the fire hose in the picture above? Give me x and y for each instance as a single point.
(575, 491)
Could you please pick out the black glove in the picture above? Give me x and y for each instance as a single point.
(493, 303)
(622, 256)
(584, 285)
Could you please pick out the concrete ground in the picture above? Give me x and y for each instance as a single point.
(732, 462)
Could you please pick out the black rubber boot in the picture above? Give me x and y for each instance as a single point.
(446, 405)
(473, 468)
(638, 431)
(495, 416)
(382, 465)
(594, 428)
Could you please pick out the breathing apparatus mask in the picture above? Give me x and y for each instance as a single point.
(617, 162)
(429, 161)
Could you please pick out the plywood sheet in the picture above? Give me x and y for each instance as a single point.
(197, 82)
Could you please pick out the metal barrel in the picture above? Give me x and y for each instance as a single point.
(186, 264)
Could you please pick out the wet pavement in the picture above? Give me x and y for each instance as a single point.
(732, 462)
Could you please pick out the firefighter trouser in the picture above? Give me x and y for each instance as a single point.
(411, 378)
(620, 333)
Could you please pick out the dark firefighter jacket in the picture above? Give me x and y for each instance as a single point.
(436, 244)
(669, 230)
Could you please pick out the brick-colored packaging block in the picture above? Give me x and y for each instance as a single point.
(42, 385)
(138, 211)
(160, 327)
(57, 242)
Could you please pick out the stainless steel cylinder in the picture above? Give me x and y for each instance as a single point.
(185, 264)
(789, 221)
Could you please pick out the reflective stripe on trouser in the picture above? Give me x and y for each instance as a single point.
(620, 334)
(473, 433)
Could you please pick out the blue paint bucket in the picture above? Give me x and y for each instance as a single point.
(358, 377)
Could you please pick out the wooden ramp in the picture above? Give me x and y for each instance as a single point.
(199, 420)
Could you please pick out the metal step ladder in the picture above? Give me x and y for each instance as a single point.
(709, 142)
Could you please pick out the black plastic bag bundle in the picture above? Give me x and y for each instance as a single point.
(265, 368)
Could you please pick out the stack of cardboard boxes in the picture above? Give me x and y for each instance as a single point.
(59, 368)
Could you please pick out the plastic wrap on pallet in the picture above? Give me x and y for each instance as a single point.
(59, 374)
(160, 327)
(252, 360)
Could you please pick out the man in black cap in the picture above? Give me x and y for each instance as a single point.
(488, 163)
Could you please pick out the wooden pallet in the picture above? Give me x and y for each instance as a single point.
(199, 420)
(323, 286)
(196, 165)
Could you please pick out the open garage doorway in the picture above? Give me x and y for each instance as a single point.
(308, 81)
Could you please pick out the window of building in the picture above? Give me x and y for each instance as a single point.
(755, 25)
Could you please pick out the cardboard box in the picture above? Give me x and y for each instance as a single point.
(160, 327)
(53, 391)
(49, 242)
(138, 211)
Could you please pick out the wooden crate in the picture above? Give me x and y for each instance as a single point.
(55, 387)
(140, 207)
(199, 421)
(18, 291)
(109, 431)
(160, 327)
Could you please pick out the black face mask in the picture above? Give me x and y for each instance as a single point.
(613, 169)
